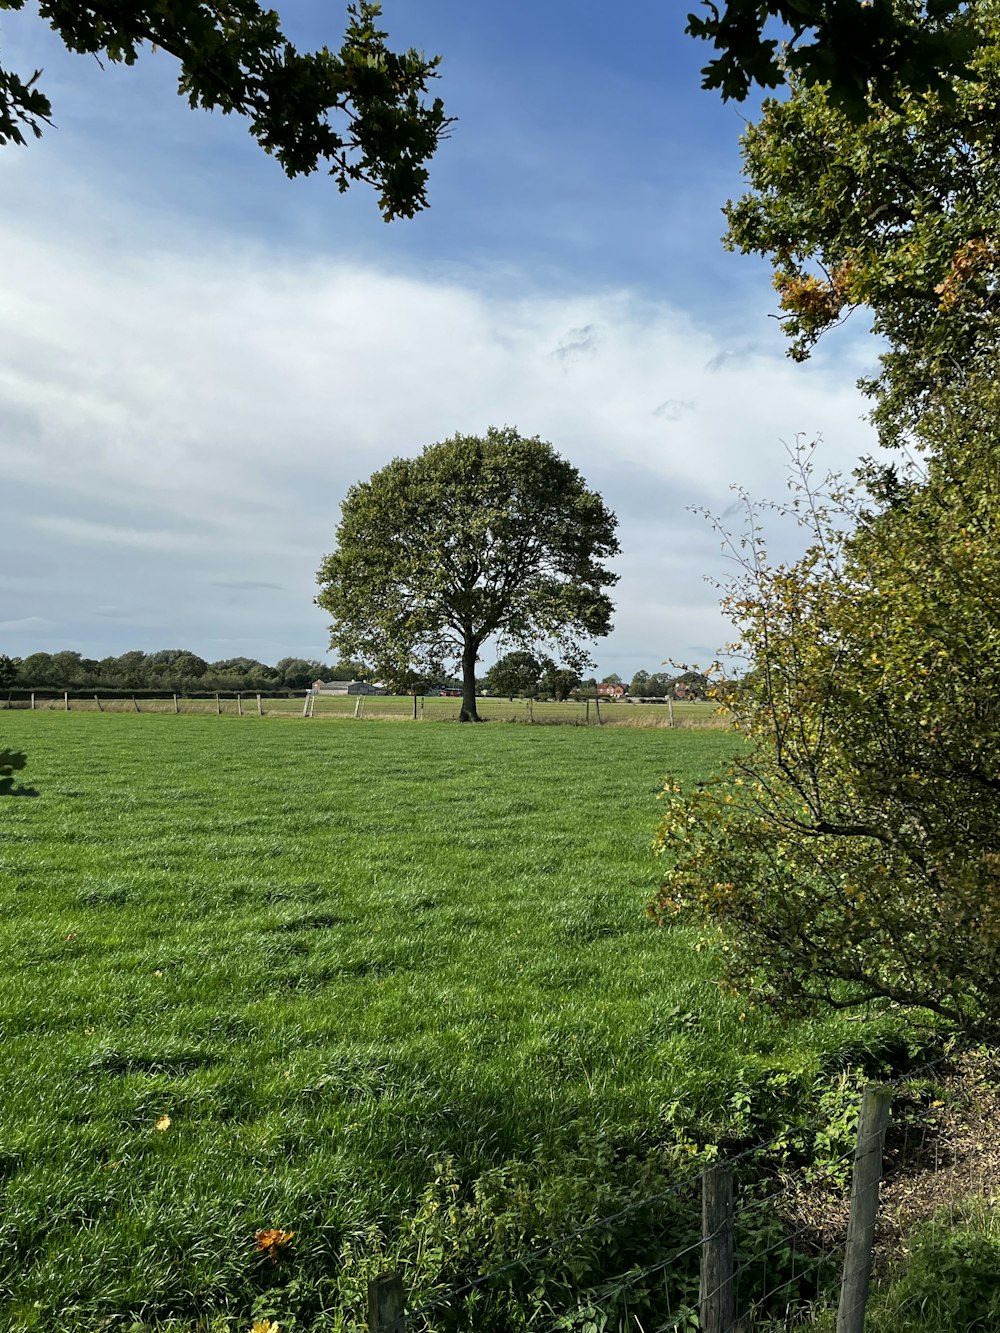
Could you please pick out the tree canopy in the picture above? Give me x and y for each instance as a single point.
(514, 673)
(478, 538)
(858, 48)
(899, 215)
(359, 112)
(850, 852)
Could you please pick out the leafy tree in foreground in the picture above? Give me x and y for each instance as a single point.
(477, 538)
(851, 853)
(899, 215)
(358, 112)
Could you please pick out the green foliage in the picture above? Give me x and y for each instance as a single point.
(357, 112)
(514, 673)
(8, 670)
(950, 1279)
(476, 539)
(898, 215)
(850, 853)
(557, 681)
(881, 47)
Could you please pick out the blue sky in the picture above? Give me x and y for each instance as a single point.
(201, 356)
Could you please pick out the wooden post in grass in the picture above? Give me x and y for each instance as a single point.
(177, 708)
(32, 700)
(414, 708)
(357, 706)
(98, 702)
(66, 700)
(716, 1291)
(386, 1304)
(859, 1251)
(260, 711)
(588, 712)
(597, 710)
(670, 709)
(218, 706)
(136, 702)
(239, 704)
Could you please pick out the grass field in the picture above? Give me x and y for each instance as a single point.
(390, 988)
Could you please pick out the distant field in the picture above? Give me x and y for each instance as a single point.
(401, 707)
(390, 988)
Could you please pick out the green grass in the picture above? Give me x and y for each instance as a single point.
(393, 987)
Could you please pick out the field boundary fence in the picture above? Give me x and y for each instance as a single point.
(774, 1245)
(370, 707)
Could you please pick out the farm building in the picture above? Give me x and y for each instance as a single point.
(610, 691)
(347, 687)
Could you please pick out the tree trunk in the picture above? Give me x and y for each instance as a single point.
(470, 655)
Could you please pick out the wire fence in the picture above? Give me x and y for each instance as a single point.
(375, 707)
(779, 1237)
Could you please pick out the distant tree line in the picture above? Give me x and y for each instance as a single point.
(174, 670)
(524, 673)
(177, 670)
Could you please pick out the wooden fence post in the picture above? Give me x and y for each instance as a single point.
(716, 1293)
(858, 1254)
(386, 1304)
(260, 710)
(98, 702)
(66, 700)
(414, 708)
(176, 705)
(239, 704)
(136, 702)
(597, 710)
(670, 709)
(32, 700)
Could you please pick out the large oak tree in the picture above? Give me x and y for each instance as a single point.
(477, 538)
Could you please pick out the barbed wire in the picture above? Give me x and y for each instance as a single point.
(784, 1136)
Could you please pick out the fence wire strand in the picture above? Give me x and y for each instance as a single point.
(615, 1286)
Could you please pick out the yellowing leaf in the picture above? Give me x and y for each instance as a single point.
(273, 1242)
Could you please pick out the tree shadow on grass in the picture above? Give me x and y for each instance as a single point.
(11, 762)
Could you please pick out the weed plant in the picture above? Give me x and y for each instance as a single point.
(390, 989)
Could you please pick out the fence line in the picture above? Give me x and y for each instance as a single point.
(415, 708)
(734, 1293)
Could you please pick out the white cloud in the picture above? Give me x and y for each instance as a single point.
(186, 419)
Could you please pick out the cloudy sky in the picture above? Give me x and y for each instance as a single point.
(200, 356)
